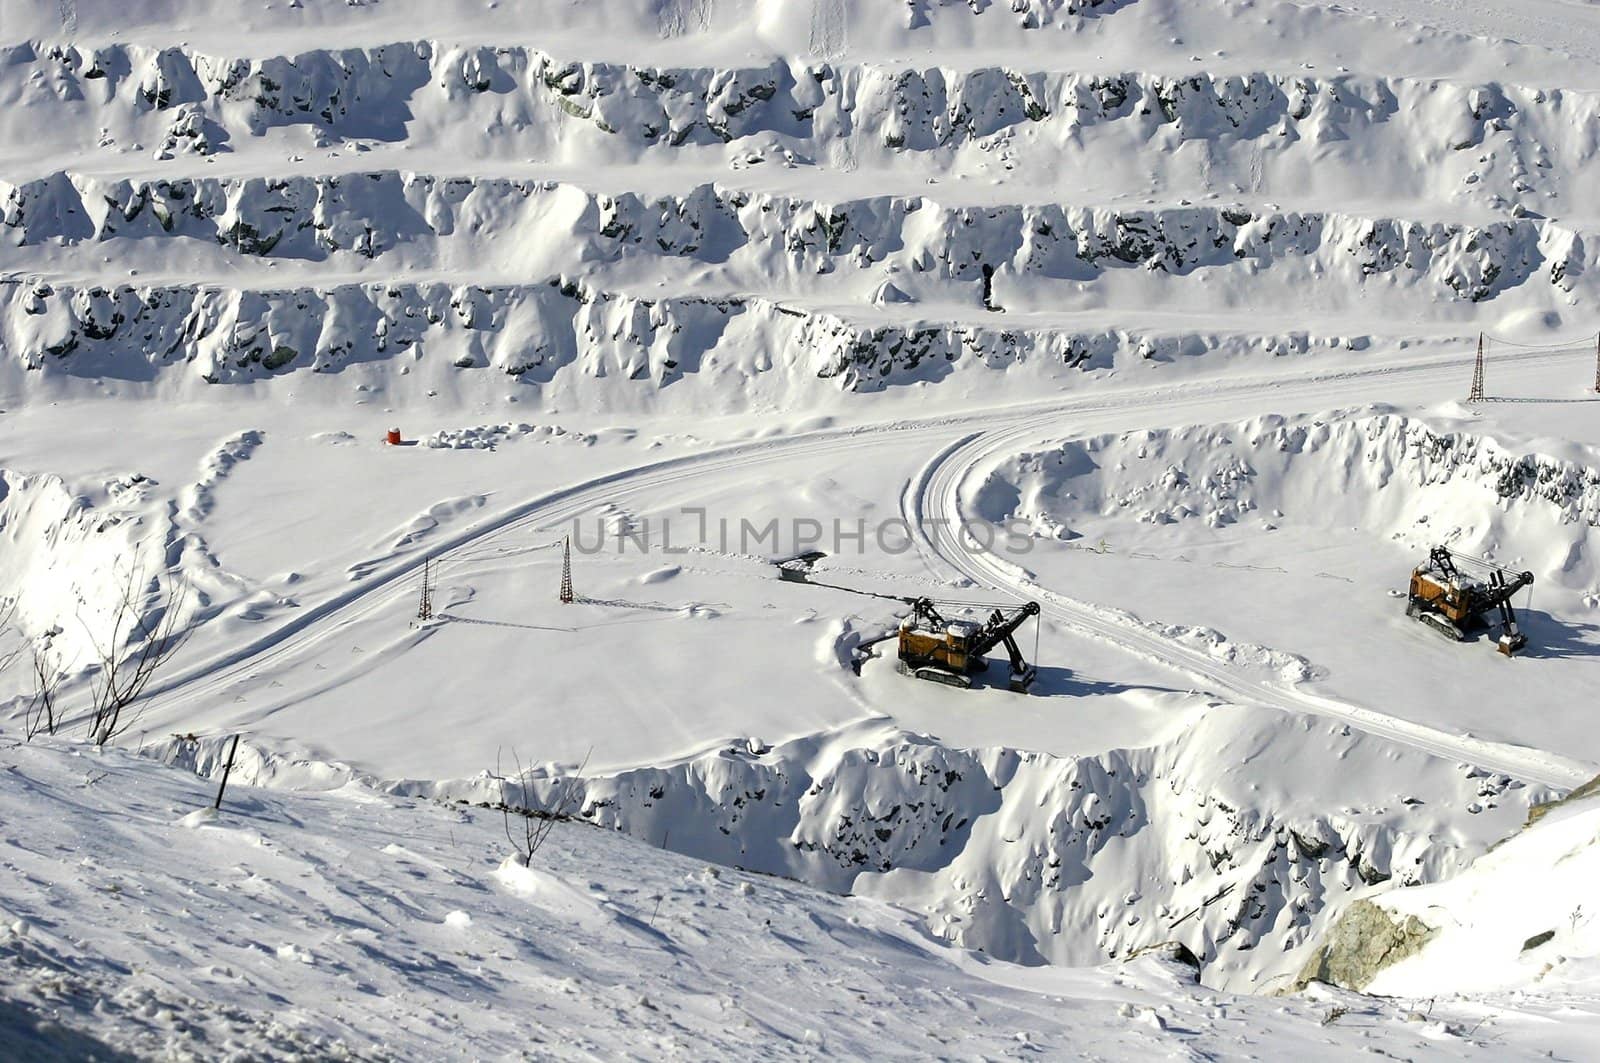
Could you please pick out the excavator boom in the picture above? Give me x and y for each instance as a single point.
(1000, 627)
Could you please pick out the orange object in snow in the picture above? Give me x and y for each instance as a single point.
(393, 438)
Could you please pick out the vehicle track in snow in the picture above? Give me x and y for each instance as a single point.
(542, 513)
(828, 29)
(1554, 25)
(962, 442)
(932, 506)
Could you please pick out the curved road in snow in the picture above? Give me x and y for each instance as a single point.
(932, 504)
(960, 442)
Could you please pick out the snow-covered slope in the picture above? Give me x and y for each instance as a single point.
(1031, 857)
(354, 925)
(350, 925)
(1155, 312)
(1074, 860)
(1393, 477)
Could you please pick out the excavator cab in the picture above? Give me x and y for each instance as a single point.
(935, 649)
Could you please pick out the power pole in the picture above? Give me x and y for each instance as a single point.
(425, 605)
(566, 571)
(1597, 363)
(1477, 375)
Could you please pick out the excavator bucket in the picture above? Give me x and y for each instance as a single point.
(1022, 682)
(1510, 644)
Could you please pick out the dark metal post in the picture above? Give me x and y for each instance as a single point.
(226, 770)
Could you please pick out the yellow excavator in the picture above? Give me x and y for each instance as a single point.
(940, 650)
(952, 651)
(1454, 603)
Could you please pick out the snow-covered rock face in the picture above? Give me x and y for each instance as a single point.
(185, 101)
(1073, 860)
(1515, 919)
(781, 239)
(89, 563)
(1392, 476)
(559, 330)
(226, 336)
(60, 545)
(1036, 858)
(1477, 179)
(767, 243)
(370, 92)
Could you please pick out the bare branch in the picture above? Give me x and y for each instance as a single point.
(8, 610)
(121, 680)
(40, 716)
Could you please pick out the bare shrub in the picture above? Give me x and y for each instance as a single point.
(147, 617)
(8, 611)
(535, 825)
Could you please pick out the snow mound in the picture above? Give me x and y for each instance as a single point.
(490, 436)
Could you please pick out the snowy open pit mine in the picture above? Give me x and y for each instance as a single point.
(335, 338)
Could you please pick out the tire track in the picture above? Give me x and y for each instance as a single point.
(828, 29)
(962, 439)
(931, 505)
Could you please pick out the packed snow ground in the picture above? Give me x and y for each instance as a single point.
(1182, 293)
